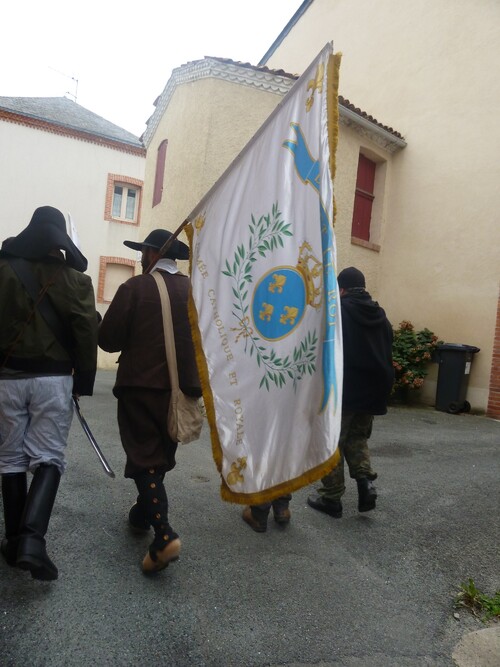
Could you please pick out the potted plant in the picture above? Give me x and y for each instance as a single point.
(411, 353)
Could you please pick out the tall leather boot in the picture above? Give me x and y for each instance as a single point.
(14, 492)
(166, 545)
(31, 551)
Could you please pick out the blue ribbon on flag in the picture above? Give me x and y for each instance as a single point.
(308, 171)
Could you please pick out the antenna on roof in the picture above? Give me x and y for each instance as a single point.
(75, 95)
(68, 76)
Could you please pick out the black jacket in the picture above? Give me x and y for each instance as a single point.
(367, 339)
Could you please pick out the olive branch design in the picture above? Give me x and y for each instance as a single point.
(266, 234)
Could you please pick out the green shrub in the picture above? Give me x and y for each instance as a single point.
(411, 353)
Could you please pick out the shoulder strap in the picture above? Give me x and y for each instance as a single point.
(168, 331)
(23, 271)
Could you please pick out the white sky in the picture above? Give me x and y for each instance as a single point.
(123, 52)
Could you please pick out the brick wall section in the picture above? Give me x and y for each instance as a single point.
(104, 261)
(494, 395)
(108, 206)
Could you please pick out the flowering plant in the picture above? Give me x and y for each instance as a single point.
(411, 352)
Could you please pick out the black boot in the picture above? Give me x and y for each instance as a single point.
(367, 495)
(166, 545)
(31, 552)
(331, 507)
(14, 492)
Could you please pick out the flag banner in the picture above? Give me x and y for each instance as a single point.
(72, 233)
(264, 299)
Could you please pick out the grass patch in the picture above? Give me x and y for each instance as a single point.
(483, 606)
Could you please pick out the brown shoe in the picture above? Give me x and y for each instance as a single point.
(162, 558)
(282, 516)
(281, 512)
(260, 526)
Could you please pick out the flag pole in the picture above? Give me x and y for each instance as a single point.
(169, 241)
(167, 244)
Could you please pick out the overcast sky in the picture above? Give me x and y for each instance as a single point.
(122, 53)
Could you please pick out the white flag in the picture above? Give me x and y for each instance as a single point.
(265, 298)
(72, 233)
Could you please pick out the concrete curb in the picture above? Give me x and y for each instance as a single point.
(478, 649)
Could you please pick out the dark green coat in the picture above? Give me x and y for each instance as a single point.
(37, 350)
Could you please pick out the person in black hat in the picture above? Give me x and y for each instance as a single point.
(368, 379)
(133, 325)
(48, 350)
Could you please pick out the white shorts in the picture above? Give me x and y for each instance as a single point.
(35, 418)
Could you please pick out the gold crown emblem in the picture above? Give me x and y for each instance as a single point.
(311, 270)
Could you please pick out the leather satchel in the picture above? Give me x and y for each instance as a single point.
(184, 419)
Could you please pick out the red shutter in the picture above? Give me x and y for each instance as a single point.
(363, 199)
(160, 172)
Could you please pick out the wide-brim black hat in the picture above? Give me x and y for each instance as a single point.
(157, 239)
(45, 232)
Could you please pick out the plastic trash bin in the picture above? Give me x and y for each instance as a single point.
(453, 377)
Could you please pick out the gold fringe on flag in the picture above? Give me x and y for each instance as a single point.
(201, 363)
(332, 106)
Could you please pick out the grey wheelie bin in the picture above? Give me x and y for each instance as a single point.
(453, 377)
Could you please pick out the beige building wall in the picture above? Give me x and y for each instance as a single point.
(426, 69)
(207, 123)
(38, 168)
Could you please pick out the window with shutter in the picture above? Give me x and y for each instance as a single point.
(363, 199)
(160, 172)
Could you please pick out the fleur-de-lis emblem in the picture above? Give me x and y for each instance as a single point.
(315, 84)
(278, 283)
(235, 475)
(266, 312)
(199, 222)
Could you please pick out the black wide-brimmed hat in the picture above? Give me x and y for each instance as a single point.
(45, 232)
(156, 239)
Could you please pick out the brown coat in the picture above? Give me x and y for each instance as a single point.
(133, 326)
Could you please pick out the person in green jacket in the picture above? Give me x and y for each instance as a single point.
(40, 370)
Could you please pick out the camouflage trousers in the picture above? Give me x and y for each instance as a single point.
(355, 432)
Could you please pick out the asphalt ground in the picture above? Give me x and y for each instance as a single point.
(371, 589)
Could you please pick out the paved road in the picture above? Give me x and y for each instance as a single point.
(374, 589)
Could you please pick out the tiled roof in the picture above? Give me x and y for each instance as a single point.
(270, 80)
(65, 113)
(343, 102)
(219, 68)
